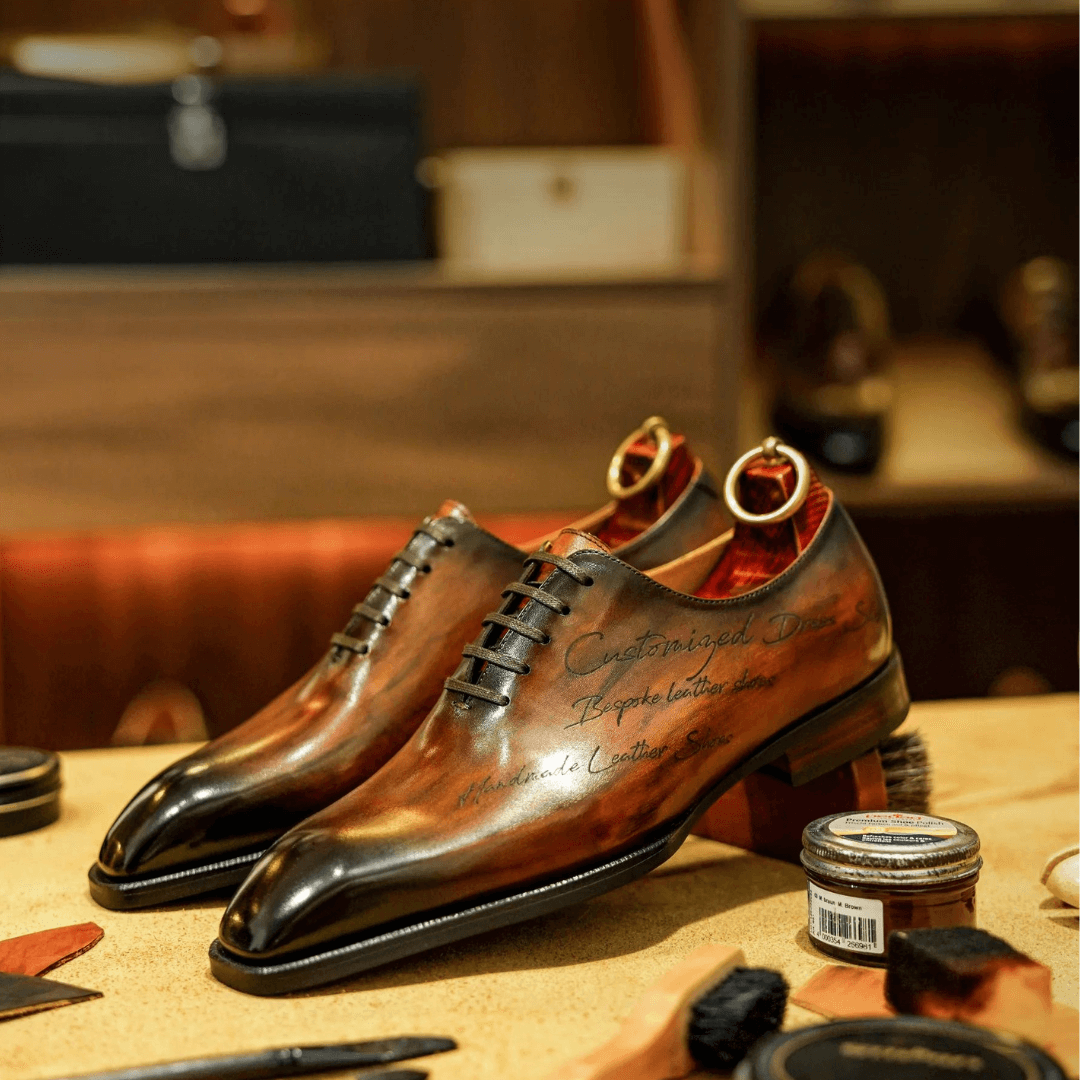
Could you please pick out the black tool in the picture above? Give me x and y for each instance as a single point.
(22, 994)
(289, 1061)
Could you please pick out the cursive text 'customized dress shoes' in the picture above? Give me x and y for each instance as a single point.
(598, 715)
(203, 822)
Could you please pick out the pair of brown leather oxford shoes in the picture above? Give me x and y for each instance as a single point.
(642, 663)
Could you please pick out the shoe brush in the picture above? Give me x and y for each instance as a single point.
(704, 1013)
(905, 767)
(764, 813)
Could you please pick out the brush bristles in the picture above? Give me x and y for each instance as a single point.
(727, 1020)
(950, 962)
(906, 766)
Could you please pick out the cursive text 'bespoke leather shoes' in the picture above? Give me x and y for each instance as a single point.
(203, 822)
(600, 712)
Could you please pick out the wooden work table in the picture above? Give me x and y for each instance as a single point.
(520, 1000)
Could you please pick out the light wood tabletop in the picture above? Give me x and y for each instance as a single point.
(524, 999)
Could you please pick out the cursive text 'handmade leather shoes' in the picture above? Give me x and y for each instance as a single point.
(598, 715)
(203, 822)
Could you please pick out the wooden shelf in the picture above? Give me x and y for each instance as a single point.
(953, 439)
(136, 396)
(16, 281)
(826, 10)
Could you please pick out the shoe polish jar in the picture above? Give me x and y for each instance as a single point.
(871, 873)
(896, 1048)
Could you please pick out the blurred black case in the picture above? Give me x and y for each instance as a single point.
(313, 170)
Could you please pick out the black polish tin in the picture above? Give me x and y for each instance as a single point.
(29, 789)
(896, 1048)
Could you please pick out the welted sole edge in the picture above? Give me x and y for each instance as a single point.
(129, 894)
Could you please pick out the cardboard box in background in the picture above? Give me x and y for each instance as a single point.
(598, 209)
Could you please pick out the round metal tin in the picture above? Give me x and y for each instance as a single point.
(898, 1048)
(29, 789)
(885, 849)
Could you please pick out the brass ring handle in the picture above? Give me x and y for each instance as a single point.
(770, 448)
(655, 428)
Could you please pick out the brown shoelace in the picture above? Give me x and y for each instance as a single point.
(395, 582)
(513, 624)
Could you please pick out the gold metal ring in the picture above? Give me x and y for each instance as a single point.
(770, 448)
(656, 428)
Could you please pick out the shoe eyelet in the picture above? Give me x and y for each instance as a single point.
(405, 594)
(546, 639)
(384, 621)
(448, 542)
(589, 581)
(528, 670)
(505, 701)
(565, 610)
(426, 568)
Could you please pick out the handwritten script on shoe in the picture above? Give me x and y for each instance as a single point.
(594, 706)
(600, 761)
(591, 652)
(597, 652)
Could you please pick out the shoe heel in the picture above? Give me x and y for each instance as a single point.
(846, 729)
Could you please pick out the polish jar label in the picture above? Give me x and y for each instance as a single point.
(887, 829)
(845, 922)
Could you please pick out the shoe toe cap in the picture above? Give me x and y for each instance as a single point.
(290, 900)
(313, 890)
(167, 825)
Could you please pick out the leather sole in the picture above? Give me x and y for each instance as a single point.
(149, 890)
(866, 714)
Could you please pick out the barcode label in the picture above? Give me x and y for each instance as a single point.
(830, 924)
(847, 922)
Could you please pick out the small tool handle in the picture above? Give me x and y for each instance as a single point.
(651, 1044)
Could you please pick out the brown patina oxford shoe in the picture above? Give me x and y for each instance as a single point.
(598, 715)
(204, 821)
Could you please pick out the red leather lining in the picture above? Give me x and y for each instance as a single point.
(757, 553)
(634, 515)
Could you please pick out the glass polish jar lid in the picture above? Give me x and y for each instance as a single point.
(887, 849)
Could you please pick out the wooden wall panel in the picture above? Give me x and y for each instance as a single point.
(530, 72)
(227, 402)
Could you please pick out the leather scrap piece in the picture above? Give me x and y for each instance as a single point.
(35, 954)
(21, 995)
(841, 993)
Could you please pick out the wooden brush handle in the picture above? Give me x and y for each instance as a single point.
(651, 1044)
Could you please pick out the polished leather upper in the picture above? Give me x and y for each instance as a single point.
(350, 713)
(640, 701)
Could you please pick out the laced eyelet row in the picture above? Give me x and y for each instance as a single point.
(391, 586)
(469, 687)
